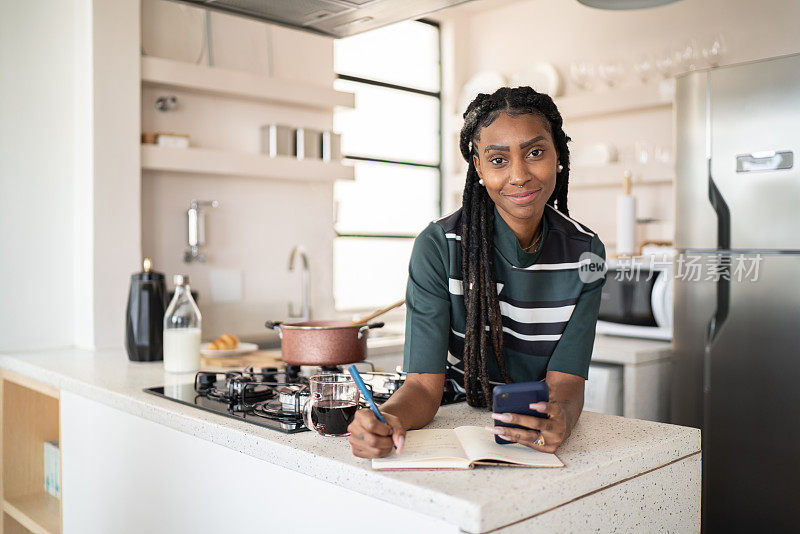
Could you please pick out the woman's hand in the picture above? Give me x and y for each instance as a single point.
(562, 411)
(553, 430)
(369, 438)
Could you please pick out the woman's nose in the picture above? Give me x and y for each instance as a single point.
(518, 173)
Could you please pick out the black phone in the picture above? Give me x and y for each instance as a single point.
(515, 398)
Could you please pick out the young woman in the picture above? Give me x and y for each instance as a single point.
(494, 293)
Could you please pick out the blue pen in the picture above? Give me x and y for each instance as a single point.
(366, 394)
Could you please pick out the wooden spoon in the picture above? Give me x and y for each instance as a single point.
(375, 314)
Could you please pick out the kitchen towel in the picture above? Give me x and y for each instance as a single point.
(626, 225)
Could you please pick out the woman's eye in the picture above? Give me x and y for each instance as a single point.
(496, 161)
(536, 152)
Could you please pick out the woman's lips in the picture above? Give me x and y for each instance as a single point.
(524, 197)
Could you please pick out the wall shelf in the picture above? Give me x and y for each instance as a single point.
(590, 105)
(611, 175)
(208, 161)
(171, 74)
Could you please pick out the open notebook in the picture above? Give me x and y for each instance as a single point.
(461, 448)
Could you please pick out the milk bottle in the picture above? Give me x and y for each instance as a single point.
(182, 327)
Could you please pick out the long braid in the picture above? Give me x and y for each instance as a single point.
(469, 257)
(477, 233)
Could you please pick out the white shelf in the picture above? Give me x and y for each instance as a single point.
(589, 105)
(597, 104)
(611, 175)
(168, 73)
(208, 161)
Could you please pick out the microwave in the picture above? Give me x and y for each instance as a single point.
(636, 300)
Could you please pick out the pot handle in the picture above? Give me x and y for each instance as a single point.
(367, 327)
(275, 325)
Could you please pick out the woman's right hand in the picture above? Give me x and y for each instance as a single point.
(369, 438)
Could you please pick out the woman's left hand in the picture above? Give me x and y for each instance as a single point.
(541, 434)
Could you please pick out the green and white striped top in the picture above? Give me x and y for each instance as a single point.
(548, 313)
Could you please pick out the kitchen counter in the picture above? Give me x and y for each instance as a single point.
(621, 459)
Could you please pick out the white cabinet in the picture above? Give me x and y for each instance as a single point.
(603, 393)
(645, 369)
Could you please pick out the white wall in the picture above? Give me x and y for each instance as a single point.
(37, 176)
(69, 208)
(258, 221)
(508, 37)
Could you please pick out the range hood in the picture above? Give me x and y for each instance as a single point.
(334, 18)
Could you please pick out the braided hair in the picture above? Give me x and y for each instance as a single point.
(477, 220)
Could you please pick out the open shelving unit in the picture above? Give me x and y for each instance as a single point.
(240, 85)
(209, 161)
(611, 175)
(589, 105)
(30, 417)
(624, 100)
(212, 81)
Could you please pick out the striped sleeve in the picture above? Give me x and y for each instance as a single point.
(427, 304)
(574, 350)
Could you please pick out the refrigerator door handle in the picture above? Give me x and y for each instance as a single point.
(722, 211)
(723, 243)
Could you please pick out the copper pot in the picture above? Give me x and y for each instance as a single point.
(322, 342)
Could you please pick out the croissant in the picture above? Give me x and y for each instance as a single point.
(224, 342)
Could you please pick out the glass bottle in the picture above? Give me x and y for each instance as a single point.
(182, 329)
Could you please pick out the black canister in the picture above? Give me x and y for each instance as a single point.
(144, 325)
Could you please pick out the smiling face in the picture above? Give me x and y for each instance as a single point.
(517, 160)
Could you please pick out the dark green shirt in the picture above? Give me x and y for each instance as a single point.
(548, 313)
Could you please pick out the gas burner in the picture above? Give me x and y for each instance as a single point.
(293, 397)
(383, 385)
(240, 390)
(293, 372)
(453, 392)
(274, 397)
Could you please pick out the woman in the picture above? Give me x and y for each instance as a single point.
(494, 293)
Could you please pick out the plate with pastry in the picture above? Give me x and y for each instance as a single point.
(227, 345)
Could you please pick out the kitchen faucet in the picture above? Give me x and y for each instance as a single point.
(305, 313)
(196, 227)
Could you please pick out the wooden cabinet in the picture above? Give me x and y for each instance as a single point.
(30, 417)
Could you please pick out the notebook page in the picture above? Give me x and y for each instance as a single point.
(426, 448)
(479, 444)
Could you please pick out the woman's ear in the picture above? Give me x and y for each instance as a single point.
(477, 162)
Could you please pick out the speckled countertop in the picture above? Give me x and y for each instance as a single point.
(603, 449)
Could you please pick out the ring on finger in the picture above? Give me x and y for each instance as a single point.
(540, 441)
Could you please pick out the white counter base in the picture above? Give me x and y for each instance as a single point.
(130, 475)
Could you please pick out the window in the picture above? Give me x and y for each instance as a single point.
(393, 139)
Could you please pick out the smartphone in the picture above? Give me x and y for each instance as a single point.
(515, 398)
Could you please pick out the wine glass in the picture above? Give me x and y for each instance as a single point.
(690, 55)
(665, 64)
(644, 68)
(641, 149)
(611, 72)
(663, 154)
(582, 73)
(713, 52)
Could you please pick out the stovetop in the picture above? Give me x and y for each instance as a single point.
(274, 397)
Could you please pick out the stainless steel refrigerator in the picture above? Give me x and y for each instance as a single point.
(737, 325)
